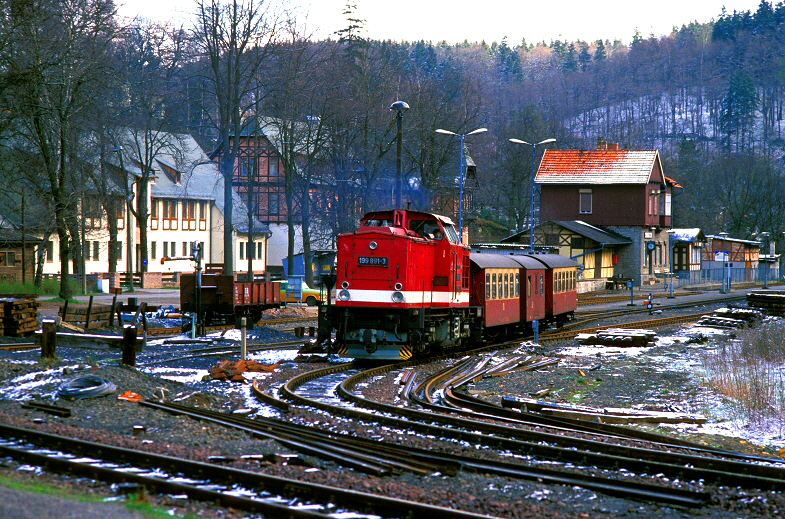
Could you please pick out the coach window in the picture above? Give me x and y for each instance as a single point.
(500, 290)
(512, 286)
(517, 285)
(493, 284)
(506, 286)
(487, 286)
(528, 286)
(542, 284)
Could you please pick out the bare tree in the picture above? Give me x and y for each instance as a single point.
(56, 57)
(233, 38)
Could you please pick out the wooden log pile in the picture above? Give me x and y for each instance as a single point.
(617, 337)
(20, 316)
(233, 370)
(716, 321)
(91, 317)
(771, 301)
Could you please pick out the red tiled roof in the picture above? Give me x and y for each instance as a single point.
(596, 167)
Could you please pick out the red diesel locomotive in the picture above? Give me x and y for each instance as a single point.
(405, 286)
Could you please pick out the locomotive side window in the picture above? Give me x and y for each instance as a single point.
(517, 285)
(506, 286)
(493, 284)
(487, 286)
(376, 222)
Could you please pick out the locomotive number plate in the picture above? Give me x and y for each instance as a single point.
(365, 261)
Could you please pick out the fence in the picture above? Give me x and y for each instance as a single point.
(737, 275)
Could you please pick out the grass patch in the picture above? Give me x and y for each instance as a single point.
(135, 503)
(750, 373)
(49, 287)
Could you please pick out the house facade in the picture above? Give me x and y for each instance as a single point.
(185, 204)
(622, 191)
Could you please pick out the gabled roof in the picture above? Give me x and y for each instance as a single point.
(687, 235)
(597, 166)
(602, 236)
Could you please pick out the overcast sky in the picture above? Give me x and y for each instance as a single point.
(489, 20)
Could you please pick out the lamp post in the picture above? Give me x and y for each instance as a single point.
(462, 171)
(128, 235)
(533, 188)
(765, 236)
(399, 107)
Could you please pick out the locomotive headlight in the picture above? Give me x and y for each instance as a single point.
(397, 297)
(344, 295)
(373, 245)
(398, 286)
(344, 284)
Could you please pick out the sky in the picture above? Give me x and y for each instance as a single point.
(487, 20)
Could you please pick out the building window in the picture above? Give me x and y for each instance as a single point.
(203, 210)
(166, 247)
(96, 247)
(585, 201)
(259, 249)
(242, 250)
(272, 166)
(185, 248)
(152, 250)
(10, 258)
(50, 252)
(119, 249)
(154, 209)
(172, 249)
(272, 207)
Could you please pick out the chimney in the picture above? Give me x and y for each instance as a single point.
(601, 144)
(612, 146)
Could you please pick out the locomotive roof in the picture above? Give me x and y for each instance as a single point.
(554, 260)
(500, 261)
(412, 214)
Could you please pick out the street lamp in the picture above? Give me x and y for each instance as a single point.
(128, 235)
(765, 236)
(462, 171)
(400, 107)
(533, 189)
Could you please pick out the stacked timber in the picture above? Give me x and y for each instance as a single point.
(20, 316)
(716, 321)
(773, 302)
(92, 317)
(618, 337)
(749, 315)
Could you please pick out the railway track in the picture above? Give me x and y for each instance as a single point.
(239, 489)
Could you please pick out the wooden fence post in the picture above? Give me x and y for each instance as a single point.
(48, 338)
(129, 345)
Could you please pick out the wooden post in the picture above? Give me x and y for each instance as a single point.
(140, 311)
(129, 345)
(115, 309)
(48, 339)
(89, 311)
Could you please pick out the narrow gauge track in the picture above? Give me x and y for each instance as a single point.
(149, 359)
(601, 299)
(381, 459)
(560, 444)
(240, 489)
(176, 330)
